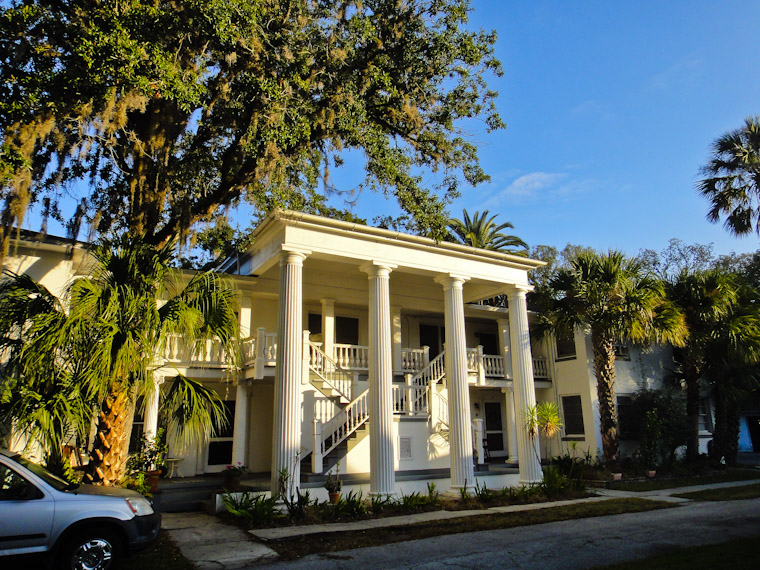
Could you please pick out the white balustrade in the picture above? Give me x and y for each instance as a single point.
(414, 359)
(540, 367)
(248, 351)
(472, 360)
(410, 400)
(494, 366)
(343, 424)
(351, 356)
(330, 372)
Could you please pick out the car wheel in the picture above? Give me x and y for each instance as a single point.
(91, 550)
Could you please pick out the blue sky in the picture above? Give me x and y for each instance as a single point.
(611, 109)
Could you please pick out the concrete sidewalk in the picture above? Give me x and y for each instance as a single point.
(211, 544)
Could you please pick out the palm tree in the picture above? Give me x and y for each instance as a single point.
(733, 179)
(118, 323)
(41, 394)
(609, 296)
(708, 301)
(481, 231)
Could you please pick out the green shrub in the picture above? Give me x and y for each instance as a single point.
(352, 506)
(255, 510)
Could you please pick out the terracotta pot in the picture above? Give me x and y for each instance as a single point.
(151, 477)
(617, 476)
(231, 480)
(334, 498)
(651, 473)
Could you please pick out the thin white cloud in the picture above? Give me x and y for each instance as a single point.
(678, 74)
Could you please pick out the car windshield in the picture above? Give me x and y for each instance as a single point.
(52, 480)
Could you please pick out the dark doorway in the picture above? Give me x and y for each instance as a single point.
(432, 336)
(489, 342)
(753, 422)
(494, 427)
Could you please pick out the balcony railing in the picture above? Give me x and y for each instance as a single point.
(260, 351)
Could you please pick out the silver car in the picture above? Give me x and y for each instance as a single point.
(73, 526)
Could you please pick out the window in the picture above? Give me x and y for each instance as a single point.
(565, 347)
(346, 330)
(626, 422)
(621, 351)
(315, 323)
(573, 412)
(705, 419)
(138, 426)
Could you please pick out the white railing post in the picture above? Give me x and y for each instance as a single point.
(478, 425)
(425, 356)
(259, 363)
(306, 357)
(316, 454)
(481, 367)
(432, 406)
(409, 395)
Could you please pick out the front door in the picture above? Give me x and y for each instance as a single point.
(494, 429)
(220, 445)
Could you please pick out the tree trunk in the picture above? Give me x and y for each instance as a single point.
(691, 378)
(604, 369)
(726, 435)
(111, 446)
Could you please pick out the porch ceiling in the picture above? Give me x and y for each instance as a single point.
(325, 278)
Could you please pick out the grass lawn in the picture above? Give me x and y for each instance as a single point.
(736, 555)
(732, 474)
(728, 494)
(296, 547)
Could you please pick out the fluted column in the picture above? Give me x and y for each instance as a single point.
(240, 427)
(523, 387)
(289, 368)
(328, 327)
(460, 425)
(152, 402)
(511, 425)
(382, 477)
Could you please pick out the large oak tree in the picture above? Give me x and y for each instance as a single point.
(169, 110)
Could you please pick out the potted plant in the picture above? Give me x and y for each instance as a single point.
(150, 459)
(233, 475)
(333, 484)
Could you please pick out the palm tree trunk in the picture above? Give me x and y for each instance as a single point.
(691, 378)
(604, 369)
(111, 445)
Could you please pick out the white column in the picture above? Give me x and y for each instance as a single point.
(460, 425)
(287, 383)
(328, 327)
(397, 345)
(511, 425)
(240, 427)
(504, 346)
(382, 477)
(523, 387)
(152, 401)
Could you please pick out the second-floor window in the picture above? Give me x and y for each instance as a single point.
(565, 347)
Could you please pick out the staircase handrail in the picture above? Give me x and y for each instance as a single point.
(345, 422)
(332, 374)
(432, 373)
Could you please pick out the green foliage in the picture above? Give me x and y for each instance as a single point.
(483, 493)
(434, 497)
(658, 421)
(63, 368)
(553, 482)
(151, 454)
(255, 510)
(610, 296)
(413, 502)
(379, 503)
(481, 231)
(136, 482)
(172, 110)
(732, 183)
(351, 506)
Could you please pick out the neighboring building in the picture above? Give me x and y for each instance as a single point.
(369, 347)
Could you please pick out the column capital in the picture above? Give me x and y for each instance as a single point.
(519, 290)
(452, 280)
(377, 269)
(327, 302)
(293, 256)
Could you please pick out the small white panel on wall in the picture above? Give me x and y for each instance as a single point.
(405, 448)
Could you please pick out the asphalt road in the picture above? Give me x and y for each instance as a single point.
(568, 545)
